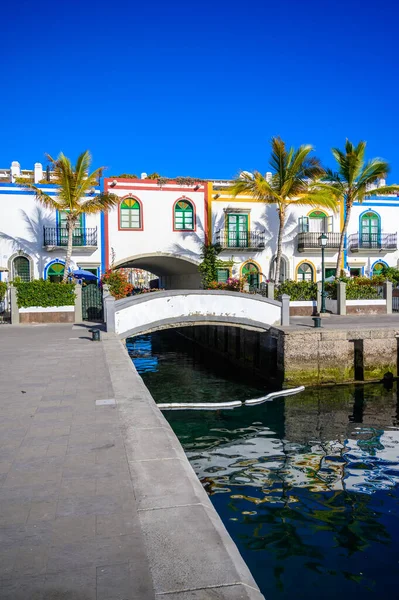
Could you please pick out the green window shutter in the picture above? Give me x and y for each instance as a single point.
(130, 214)
(184, 216)
(237, 230)
(223, 275)
(21, 268)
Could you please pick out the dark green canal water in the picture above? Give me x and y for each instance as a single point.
(307, 486)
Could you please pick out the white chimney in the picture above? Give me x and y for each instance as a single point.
(143, 176)
(269, 176)
(15, 170)
(382, 182)
(38, 172)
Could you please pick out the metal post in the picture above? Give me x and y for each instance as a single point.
(323, 294)
(388, 296)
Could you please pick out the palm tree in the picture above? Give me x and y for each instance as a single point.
(74, 194)
(293, 182)
(353, 181)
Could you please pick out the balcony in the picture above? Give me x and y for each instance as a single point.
(372, 242)
(310, 241)
(244, 240)
(85, 239)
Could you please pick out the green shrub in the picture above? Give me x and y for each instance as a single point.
(44, 293)
(357, 288)
(3, 289)
(297, 290)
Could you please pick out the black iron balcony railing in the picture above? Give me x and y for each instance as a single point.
(378, 241)
(311, 240)
(58, 236)
(240, 239)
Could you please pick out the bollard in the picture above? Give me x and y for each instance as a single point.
(316, 321)
(95, 335)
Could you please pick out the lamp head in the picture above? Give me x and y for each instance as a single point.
(323, 240)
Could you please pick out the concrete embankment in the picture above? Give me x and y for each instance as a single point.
(98, 499)
(190, 553)
(343, 350)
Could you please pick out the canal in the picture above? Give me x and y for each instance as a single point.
(307, 486)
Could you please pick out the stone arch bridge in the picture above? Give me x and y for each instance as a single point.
(153, 311)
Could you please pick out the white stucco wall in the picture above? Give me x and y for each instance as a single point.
(264, 218)
(388, 210)
(161, 307)
(158, 233)
(22, 220)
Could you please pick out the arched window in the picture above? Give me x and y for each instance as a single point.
(378, 267)
(251, 272)
(305, 272)
(55, 272)
(184, 216)
(21, 268)
(316, 222)
(130, 214)
(370, 230)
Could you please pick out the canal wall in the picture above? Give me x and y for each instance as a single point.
(191, 555)
(304, 356)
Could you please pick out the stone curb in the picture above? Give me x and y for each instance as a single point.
(191, 554)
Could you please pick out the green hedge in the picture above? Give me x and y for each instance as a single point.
(358, 288)
(3, 289)
(44, 293)
(297, 290)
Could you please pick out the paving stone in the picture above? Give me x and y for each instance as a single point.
(22, 588)
(132, 583)
(79, 584)
(229, 592)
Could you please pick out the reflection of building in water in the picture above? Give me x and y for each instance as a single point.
(140, 278)
(350, 444)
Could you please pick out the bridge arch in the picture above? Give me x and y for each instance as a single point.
(145, 313)
(174, 271)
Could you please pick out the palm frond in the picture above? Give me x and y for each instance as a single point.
(254, 185)
(40, 195)
(380, 191)
(317, 199)
(373, 170)
(99, 203)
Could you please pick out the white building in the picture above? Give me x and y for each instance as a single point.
(33, 239)
(160, 226)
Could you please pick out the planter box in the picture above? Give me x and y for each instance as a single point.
(366, 307)
(303, 308)
(47, 314)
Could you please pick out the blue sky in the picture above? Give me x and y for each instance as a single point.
(196, 88)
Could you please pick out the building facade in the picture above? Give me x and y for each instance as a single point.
(159, 226)
(33, 239)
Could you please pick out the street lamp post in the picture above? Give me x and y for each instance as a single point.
(323, 243)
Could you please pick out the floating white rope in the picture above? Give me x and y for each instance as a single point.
(228, 405)
(272, 395)
(200, 405)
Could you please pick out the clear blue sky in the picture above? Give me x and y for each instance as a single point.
(196, 88)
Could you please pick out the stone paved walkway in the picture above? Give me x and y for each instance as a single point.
(348, 322)
(68, 522)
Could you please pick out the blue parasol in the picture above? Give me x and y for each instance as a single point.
(82, 274)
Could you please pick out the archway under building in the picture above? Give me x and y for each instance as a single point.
(174, 272)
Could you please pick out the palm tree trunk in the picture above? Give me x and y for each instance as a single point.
(71, 226)
(342, 239)
(281, 213)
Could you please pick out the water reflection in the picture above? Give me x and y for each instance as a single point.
(306, 485)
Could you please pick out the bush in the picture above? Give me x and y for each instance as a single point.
(3, 289)
(357, 288)
(44, 293)
(233, 284)
(116, 280)
(297, 290)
